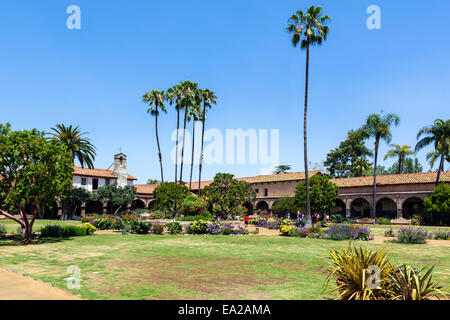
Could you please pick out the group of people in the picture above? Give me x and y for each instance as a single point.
(316, 217)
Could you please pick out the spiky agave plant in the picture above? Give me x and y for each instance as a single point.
(350, 268)
(411, 284)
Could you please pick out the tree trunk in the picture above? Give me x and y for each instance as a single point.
(305, 142)
(374, 195)
(182, 148)
(176, 148)
(441, 168)
(201, 151)
(157, 141)
(192, 157)
(400, 161)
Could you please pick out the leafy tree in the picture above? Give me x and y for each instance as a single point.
(400, 152)
(349, 159)
(34, 171)
(193, 204)
(155, 99)
(115, 196)
(378, 127)
(381, 171)
(283, 206)
(439, 135)
(307, 29)
(225, 194)
(439, 200)
(152, 181)
(323, 194)
(208, 98)
(410, 165)
(170, 197)
(282, 169)
(76, 197)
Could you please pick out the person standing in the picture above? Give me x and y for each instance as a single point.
(246, 220)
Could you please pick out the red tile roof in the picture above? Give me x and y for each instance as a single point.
(145, 188)
(408, 178)
(100, 173)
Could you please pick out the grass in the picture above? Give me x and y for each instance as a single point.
(116, 266)
(11, 226)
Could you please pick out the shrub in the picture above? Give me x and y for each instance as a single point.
(137, 227)
(70, 230)
(389, 233)
(158, 229)
(214, 228)
(441, 235)
(2, 231)
(198, 227)
(156, 215)
(256, 231)
(339, 232)
(338, 218)
(51, 231)
(302, 232)
(90, 229)
(206, 216)
(350, 269)
(382, 220)
(174, 227)
(412, 235)
(363, 234)
(285, 230)
(416, 220)
(105, 222)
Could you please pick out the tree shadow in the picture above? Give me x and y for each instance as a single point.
(13, 241)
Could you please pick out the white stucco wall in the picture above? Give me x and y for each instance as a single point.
(101, 182)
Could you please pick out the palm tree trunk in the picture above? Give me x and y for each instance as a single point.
(400, 165)
(192, 156)
(157, 141)
(305, 141)
(182, 148)
(176, 148)
(374, 195)
(441, 168)
(201, 151)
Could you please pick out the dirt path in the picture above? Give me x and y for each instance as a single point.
(14, 286)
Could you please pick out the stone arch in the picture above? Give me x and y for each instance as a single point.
(412, 206)
(386, 207)
(339, 207)
(138, 204)
(262, 205)
(249, 207)
(94, 207)
(151, 205)
(360, 207)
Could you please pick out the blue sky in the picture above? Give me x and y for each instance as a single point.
(95, 77)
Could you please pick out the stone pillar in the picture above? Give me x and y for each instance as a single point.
(83, 209)
(105, 207)
(347, 213)
(399, 213)
(347, 208)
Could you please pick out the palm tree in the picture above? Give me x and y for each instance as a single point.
(360, 165)
(155, 99)
(307, 29)
(195, 116)
(434, 155)
(188, 88)
(378, 126)
(400, 152)
(175, 95)
(81, 148)
(282, 169)
(208, 97)
(439, 135)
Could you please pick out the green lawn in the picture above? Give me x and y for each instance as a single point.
(116, 266)
(11, 226)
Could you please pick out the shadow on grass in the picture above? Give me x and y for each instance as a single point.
(14, 240)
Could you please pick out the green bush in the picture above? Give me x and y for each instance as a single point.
(339, 232)
(70, 230)
(389, 233)
(157, 229)
(412, 235)
(416, 220)
(198, 227)
(174, 227)
(51, 231)
(441, 235)
(137, 227)
(383, 221)
(90, 229)
(2, 231)
(206, 216)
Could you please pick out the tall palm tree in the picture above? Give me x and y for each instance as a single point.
(189, 88)
(208, 98)
(81, 148)
(156, 99)
(400, 152)
(439, 135)
(194, 115)
(378, 127)
(435, 155)
(175, 95)
(307, 29)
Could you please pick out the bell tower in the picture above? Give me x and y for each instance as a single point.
(120, 169)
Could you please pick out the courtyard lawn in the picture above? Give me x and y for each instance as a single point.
(116, 266)
(12, 226)
(378, 230)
